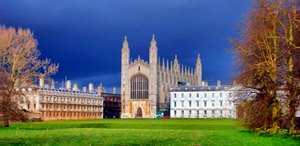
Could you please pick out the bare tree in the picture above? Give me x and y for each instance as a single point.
(20, 67)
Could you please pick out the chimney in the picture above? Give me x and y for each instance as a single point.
(219, 83)
(91, 87)
(52, 84)
(84, 89)
(68, 85)
(114, 90)
(204, 83)
(42, 82)
(75, 87)
(99, 90)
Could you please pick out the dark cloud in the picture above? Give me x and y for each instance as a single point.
(85, 37)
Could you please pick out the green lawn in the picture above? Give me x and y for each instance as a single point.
(139, 132)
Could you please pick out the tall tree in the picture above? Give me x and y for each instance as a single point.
(257, 55)
(268, 56)
(20, 68)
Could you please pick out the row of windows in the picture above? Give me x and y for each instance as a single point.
(54, 98)
(54, 106)
(204, 103)
(68, 114)
(198, 112)
(198, 95)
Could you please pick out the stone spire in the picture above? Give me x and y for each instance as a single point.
(198, 59)
(185, 70)
(163, 63)
(153, 42)
(175, 60)
(158, 61)
(198, 70)
(125, 43)
(153, 56)
(125, 54)
(167, 65)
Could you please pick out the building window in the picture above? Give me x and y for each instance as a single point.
(34, 106)
(190, 112)
(197, 103)
(174, 95)
(213, 104)
(182, 103)
(139, 87)
(205, 103)
(174, 113)
(230, 94)
(213, 94)
(221, 103)
(182, 95)
(190, 103)
(220, 94)
(213, 111)
(205, 95)
(205, 112)
(174, 104)
(197, 94)
(190, 95)
(182, 112)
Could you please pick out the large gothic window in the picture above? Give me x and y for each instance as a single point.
(139, 87)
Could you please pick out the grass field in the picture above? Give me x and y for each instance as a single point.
(139, 132)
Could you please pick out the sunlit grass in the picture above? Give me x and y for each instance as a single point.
(138, 132)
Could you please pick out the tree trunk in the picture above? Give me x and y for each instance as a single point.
(292, 114)
(5, 122)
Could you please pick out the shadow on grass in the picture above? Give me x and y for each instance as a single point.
(63, 126)
(284, 135)
(69, 140)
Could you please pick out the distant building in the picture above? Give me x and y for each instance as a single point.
(202, 102)
(145, 85)
(49, 103)
(111, 105)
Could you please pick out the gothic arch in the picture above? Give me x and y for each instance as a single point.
(139, 113)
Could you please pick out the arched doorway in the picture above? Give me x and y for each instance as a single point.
(139, 113)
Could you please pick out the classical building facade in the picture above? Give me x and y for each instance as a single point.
(49, 103)
(145, 85)
(203, 102)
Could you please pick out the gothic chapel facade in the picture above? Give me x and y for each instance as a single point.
(145, 86)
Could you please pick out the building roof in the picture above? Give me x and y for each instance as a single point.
(202, 88)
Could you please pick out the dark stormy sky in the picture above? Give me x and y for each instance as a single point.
(85, 36)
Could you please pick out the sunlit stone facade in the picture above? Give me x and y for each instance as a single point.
(202, 102)
(49, 103)
(145, 85)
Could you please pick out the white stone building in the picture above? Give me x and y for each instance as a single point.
(202, 102)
